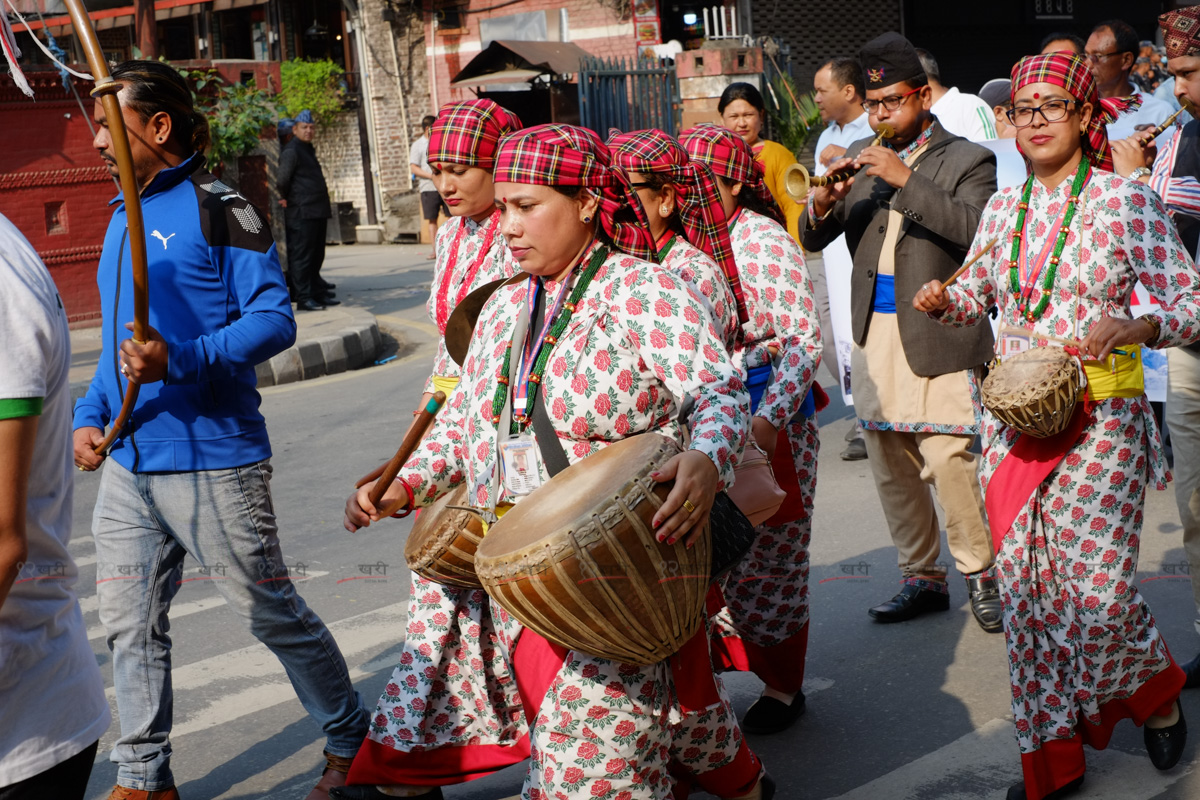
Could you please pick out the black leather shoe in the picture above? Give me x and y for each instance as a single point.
(1017, 791)
(768, 785)
(985, 601)
(329, 287)
(1192, 670)
(1165, 745)
(328, 300)
(369, 792)
(910, 602)
(309, 305)
(769, 715)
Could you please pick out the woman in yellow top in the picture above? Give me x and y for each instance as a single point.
(742, 111)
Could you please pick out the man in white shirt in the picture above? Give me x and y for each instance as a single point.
(962, 114)
(1010, 166)
(418, 162)
(51, 692)
(839, 90)
(1112, 50)
(838, 87)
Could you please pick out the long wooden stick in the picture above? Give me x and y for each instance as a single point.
(106, 92)
(416, 432)
(958, 273)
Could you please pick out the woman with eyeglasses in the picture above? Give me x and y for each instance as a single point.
(744, 114)
(1066, 512)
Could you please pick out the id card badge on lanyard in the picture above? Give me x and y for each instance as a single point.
(520, 465)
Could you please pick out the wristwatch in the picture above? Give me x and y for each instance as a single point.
(1139, 173)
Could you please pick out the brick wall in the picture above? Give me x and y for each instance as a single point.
(54, 187)
(593, 27)
(338, 151)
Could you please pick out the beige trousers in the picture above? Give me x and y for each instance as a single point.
(910, 468)
(1183, 420)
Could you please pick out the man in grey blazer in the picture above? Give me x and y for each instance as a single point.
(909, 217)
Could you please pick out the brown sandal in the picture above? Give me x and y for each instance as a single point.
(333, 776)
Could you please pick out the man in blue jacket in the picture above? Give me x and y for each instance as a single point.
(191, 471)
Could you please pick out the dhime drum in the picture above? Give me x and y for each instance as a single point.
(577, 561)
(442, 544)
(1034, 391)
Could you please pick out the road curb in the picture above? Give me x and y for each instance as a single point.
(354, 345)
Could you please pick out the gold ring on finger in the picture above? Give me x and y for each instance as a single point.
(687, 504)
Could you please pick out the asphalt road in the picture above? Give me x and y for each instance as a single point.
(916, 710)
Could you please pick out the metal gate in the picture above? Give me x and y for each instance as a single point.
(629, 95)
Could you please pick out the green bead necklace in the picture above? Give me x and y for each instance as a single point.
(1082, 173)
(557, 327)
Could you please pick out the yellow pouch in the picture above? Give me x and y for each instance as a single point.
(1119, 376)
(501, 510)
(444, 385)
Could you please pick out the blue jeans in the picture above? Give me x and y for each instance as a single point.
(144, 524)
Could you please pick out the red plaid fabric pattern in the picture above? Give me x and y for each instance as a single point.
(728, 155)
(469, 132)
(1181, 31)
(704, 224)
(567, 155)
(1072, 73)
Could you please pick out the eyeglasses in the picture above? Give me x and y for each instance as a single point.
(1095, 57)
(892, 103)
(1051, 111)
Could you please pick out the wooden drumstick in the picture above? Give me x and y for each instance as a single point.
(958, 273)
(416, 432)
(1025, 333)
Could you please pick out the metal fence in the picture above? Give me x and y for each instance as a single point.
(628, 94)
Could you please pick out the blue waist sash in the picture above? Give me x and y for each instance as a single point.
(757, 379)
(885, 294)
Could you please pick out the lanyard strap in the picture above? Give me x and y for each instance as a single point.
(539, 327)
(1030, 273)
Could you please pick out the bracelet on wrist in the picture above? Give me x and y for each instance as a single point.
(408, 509)
(1154, 323)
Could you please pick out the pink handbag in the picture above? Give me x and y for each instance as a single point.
(755, 491)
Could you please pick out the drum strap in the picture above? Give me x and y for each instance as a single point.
(543, 429)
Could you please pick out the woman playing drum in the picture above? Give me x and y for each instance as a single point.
(1066, 511)
(450, 628)
(764, 627)
(619, 345)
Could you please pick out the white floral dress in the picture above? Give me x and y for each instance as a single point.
(1083, 648)
(639, 341)
(450, 635)
(764, 626)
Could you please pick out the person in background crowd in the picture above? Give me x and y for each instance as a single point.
(996, 94)
(839, 90)
(1010, 165)
(51, 692)
(1176, 179)
(431, 202)
(959, 113)
(910, 216)
(1066, 512)
(191, 472)
(301, 184)
(1111, 50)
(744, 113)
(1063, 41)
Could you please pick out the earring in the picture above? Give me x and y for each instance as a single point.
(587, 220)
(662, 211)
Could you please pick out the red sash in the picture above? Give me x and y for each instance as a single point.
(1027, 465)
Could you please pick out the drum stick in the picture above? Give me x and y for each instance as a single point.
(416, 432)
(958, 273)
(1028, 334)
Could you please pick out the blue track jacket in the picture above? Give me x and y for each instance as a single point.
(217, 296)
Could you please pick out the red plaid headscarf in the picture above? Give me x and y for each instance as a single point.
(728, 155)
(566, 155)
(1072, 73)
(1181, 31)
(704, 224)
(469, 132)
